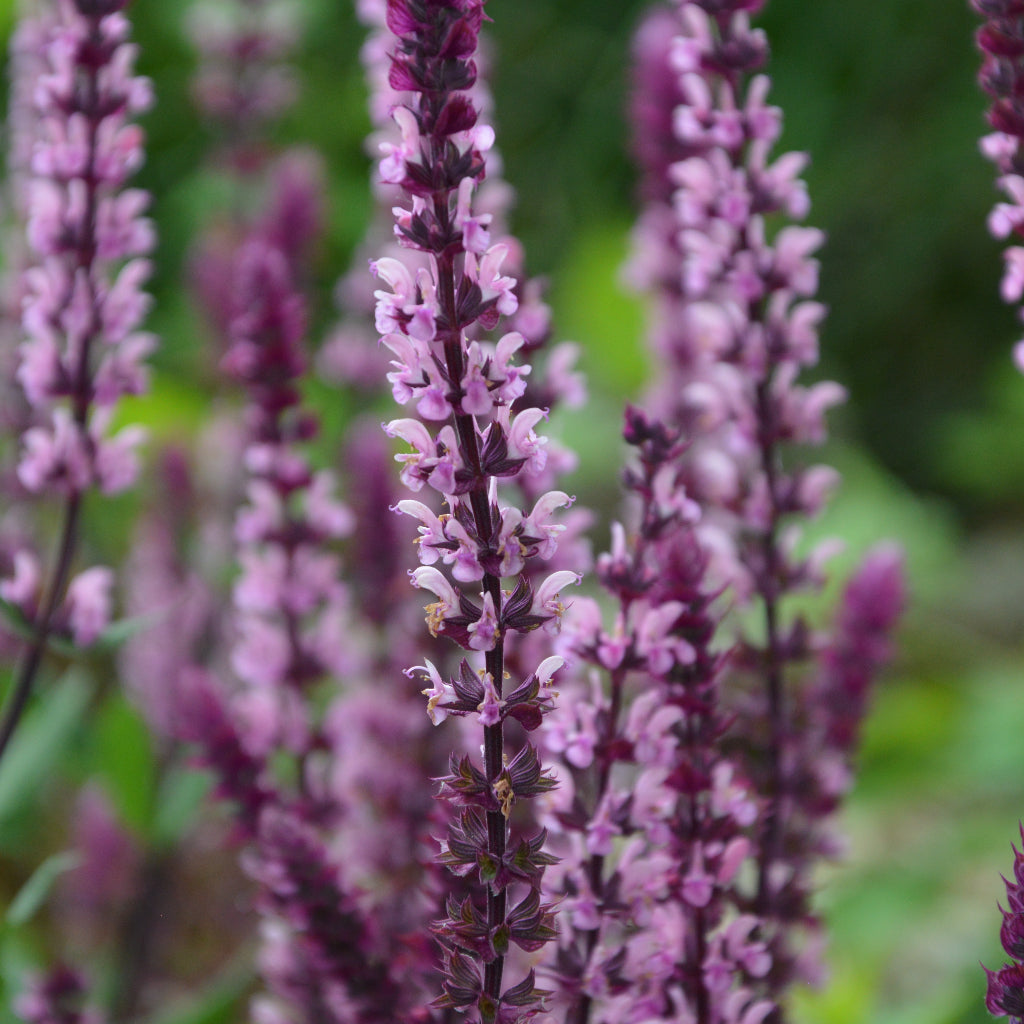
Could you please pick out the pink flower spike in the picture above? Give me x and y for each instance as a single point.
(466, 382)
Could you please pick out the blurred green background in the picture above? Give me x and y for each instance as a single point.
(882, 94)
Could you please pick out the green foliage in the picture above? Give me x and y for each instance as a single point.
(35, 754)
(178, 803)
(122, 757)
(592, 303)
(32, 894)
(220, 1002)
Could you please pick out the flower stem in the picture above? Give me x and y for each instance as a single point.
(19, 695)
(771, 845)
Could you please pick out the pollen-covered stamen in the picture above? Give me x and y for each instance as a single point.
(429, 578)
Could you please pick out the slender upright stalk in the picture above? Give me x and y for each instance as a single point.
(33, 656)
(444, 295)
(653, 931)
(1001, 41)
(83, 300)
(735, 326)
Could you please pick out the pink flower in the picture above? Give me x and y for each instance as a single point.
(429, 578)
(88, 604)
(539, 522)
(484, 633)
(546, 598)
(490, 707)
(487, 275)
(438, 694)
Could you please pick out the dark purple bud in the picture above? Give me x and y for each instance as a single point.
(1001, 39)
(462, 982)
(530, 923)
(998, 8)
(1005, 994)
(1011, 934)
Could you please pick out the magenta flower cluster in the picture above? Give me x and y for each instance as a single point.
(1001, 41)
(736, 326)
(290, 605)
(81, 299)
(655, 820)
(431, 317)
(83, 302)
(1005, 996)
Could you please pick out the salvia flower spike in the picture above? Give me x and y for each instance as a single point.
(82, 304)
(1005, 995)
(653, 819)
(433, 310)
(736, 325)
(1001, 41)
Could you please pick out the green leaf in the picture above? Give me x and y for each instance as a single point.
(33, 893)
(219, 1002)
(17, 961)
(488, 866)
(181, 795)
(40, 742)
(593, 306)
(15, 621)
(124, 629)
(123, 756)
(109, 640)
